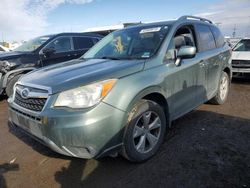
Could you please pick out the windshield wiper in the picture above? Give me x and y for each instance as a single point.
(121, 58)
(110, 57)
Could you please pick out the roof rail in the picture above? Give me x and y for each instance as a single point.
(186, 17)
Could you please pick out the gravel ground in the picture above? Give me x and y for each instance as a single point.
(209, 147)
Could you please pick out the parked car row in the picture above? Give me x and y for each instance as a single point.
(40, 52)
(122, 95)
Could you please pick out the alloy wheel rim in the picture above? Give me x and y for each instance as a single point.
(146, 132)
(223, 87)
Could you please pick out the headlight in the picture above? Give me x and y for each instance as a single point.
(85, 96)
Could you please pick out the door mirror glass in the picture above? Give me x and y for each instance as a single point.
(186, 52)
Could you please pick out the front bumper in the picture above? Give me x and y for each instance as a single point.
(85, 134)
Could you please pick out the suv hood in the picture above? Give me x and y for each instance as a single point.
(75, 73)
(12, 55)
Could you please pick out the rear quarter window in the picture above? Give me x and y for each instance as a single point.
(83, 42)
(219, 38)
(206, 38)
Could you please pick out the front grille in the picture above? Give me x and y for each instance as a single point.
(241, 63)
(26, 114)
(35, 104)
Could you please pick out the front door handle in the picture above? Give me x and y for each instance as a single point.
(202, 64)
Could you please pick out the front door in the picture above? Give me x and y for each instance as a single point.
(187, 82)
(63, 51)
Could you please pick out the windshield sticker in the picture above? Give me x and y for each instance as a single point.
(146, 55)
(118, 44)
(151, 30)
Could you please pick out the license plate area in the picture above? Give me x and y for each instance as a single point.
(26, 123)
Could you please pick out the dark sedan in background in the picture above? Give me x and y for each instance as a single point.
(42, 51)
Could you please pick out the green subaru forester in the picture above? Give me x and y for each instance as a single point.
(122, 95)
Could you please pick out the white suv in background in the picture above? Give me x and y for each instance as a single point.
(241, 57)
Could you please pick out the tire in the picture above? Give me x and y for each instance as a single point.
(223, 90)
(11, 83)
(138, 132)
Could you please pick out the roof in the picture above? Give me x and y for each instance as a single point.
(111, 28)
(138, 24)
(79, 34)
(73, 34)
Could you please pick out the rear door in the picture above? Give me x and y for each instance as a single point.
(83, 44)
(211, 58)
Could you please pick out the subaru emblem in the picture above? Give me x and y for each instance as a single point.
(25, 93)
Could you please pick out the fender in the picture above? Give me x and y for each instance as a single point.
(143, 93)
(153, 90)
(18, 71)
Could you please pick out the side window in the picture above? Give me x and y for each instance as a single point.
(206, 38)
(219, 39)
(61, 44)
(82, 42)
(184, 36)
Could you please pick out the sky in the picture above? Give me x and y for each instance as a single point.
(25, 19)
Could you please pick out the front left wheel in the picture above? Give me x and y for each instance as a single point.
(145, 131)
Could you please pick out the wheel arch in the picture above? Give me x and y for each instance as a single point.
(228, 71)
(159, 99)
(155, 94)
(15, 72)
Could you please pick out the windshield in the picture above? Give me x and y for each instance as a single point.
(243, 45)
(132, 43)
(33, 44)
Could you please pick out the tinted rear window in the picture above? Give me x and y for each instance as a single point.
(219, 39)
(206, 38)
(82, 42)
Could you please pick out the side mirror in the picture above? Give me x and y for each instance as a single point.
(48, 51)
(185, 52)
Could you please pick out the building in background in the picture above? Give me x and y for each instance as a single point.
(105, 30)
(3, 49)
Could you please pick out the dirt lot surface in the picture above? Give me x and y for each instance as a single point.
(209, 147)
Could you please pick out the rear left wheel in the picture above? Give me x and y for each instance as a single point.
(223, 90)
